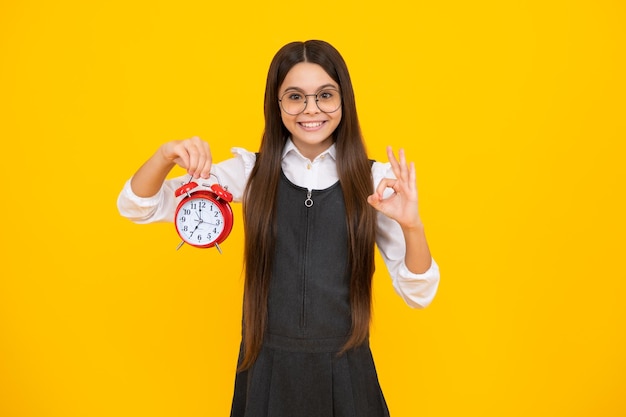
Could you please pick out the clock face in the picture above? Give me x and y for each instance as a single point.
(201, 221)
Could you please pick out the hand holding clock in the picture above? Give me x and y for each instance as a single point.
(194, 155)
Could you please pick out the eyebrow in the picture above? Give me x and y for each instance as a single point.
(318, 89)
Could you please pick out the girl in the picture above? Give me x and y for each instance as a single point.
(314, 207)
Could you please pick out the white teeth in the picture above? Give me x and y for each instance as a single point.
(311, 125)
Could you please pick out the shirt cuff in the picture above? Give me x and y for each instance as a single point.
(417, 290)
(137, 209)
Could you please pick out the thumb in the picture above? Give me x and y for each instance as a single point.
(374, 201)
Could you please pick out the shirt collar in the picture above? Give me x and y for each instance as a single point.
(291, 148)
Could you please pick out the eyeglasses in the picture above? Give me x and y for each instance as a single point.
(294, 102)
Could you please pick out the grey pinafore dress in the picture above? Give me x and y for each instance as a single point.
(298, 372)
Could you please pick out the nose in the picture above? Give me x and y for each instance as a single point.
(310, 104)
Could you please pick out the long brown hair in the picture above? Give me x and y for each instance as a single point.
(259, 208)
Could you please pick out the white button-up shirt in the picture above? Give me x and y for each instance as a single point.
(417, 290)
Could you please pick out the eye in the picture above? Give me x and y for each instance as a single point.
(294, 96)
(325, 95)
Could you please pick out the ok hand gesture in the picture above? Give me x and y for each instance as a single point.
(402, 204)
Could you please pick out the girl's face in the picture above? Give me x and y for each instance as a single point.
(311, 131)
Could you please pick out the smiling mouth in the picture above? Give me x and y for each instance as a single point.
(311, 125)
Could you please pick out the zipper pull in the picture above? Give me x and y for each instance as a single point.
(308, 202)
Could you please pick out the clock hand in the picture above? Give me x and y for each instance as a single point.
(194, 230)
(199, 221)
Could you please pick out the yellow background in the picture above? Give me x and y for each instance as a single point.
(512, 110)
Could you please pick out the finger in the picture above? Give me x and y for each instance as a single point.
(194, 157)
(395, 165)
(205, 159)
(399, 165)
(374, 200)
(403, 168)
(403, 165)
(199, 157)
(200, 164)
(200, 154)
(412, 178)
(205, 168)
(180, 155)
(384, 184)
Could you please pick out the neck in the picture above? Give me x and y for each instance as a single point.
(313, 151)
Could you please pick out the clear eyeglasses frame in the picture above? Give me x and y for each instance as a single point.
(293, 102)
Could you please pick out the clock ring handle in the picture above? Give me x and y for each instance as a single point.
(186, 188)
(220, 190)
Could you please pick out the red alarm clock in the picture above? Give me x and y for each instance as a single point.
(203, 217)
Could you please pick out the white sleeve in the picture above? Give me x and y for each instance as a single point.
(232, 173)
(417, 290)
(158, 208)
